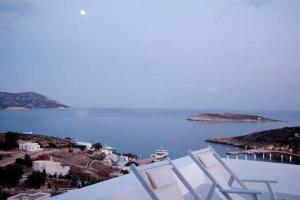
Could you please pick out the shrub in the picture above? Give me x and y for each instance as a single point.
(37, 179)
(10, 175)
(51, 145)
(82, 147)
(26, 161)
(10, 141)
(130, 163)
(97, 145)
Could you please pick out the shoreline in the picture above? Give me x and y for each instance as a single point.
(283, 140)
(230, 117)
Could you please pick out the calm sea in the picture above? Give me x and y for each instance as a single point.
(139, 131)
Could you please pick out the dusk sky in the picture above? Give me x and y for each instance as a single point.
(231, 54)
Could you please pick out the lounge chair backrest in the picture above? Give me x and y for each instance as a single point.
(161, 179)
(214, 167)
(216, 170)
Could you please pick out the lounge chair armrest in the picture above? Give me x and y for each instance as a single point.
(258, 181)
(241, 191)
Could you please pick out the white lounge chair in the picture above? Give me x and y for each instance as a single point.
(159, 180)
(216, 170)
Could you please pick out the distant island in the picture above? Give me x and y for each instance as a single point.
(27, 100)
(285, 140)
(230, 117)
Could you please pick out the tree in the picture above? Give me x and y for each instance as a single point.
(10, 141)
(82, 147)
(51, 145)
(97, 145)
(131, 163)
(26, 161)
(37, 179)
(10, 175)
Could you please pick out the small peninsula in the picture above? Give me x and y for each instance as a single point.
(285, 140)
(27, 100)
(230, 117)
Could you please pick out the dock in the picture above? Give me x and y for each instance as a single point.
(261, 151)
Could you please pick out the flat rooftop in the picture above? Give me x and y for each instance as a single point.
(128, 186)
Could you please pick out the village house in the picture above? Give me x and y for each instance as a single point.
(35, 196)
(108, 150)
(30, 146)
(51, 167)
(87, 145)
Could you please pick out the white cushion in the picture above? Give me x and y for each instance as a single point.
(161, 177)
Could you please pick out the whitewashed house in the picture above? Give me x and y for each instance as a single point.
(35, 196)
(108, 150)
(87, 145)
(122, 161)
(51, 167)
(30, 146)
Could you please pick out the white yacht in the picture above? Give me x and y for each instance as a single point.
(160, 154)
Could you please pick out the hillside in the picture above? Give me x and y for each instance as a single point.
(27, 100)
(282, 139)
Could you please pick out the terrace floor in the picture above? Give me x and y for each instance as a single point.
(127, 186)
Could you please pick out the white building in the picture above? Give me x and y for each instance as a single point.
(122, 161)
(87, 145)
(30, 146)
(35, 196)
(50, 167)
(108, 150)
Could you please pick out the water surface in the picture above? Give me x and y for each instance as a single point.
(139, 131)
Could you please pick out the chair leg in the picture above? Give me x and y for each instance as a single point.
(211, 192)
(230, 182)
(255, 197)
(272, 194)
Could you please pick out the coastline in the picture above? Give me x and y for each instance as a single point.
(15, 108)
(283, 140)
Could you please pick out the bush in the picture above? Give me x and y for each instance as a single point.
(10, 175)
(51, 145)
(10, 141)
(82, 147)
(97, 145)
(26, 161)
(130, 163)
(4, 195)
(37, 179)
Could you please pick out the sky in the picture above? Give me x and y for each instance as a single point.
(214, 54)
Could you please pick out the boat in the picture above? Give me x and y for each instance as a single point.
(160, 154)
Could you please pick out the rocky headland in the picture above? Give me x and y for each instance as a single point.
(285, 140)
(27, 100)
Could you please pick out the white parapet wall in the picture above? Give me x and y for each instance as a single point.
(128, 186)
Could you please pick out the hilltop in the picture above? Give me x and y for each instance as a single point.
(27, 100)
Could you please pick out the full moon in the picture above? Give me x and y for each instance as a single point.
(82, 12)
